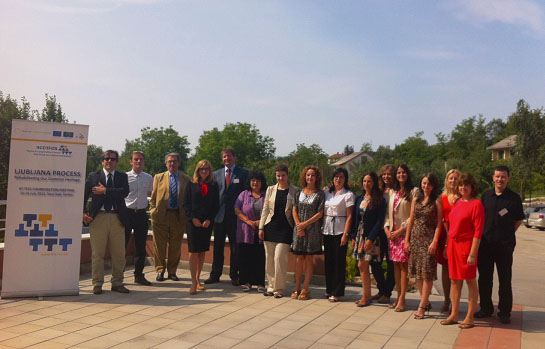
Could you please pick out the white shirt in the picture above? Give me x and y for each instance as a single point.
(336, 206)
(139, 187)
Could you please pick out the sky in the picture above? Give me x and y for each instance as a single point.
(333, 73)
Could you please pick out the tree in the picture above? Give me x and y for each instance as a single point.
(52, 111)
(305, 156)
(348, 149)
(155, 144)
(253, 150)
(94, 158)
(529, 125)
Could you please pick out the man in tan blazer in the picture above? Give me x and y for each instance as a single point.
(168, 217)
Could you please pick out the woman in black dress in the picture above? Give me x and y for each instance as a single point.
(201, 203)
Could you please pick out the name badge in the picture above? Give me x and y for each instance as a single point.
(503, 212)
(236, 180)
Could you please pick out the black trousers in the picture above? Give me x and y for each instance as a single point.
(227, 228)
(502, 256)
(138, 221)
(335, 265)
(386, 284)
(252, 264)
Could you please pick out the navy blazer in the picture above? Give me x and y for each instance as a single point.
(373, 220)
(227, 198)
(198, 207)
(117, 194)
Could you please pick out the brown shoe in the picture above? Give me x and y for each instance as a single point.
(97, 290)
(376, 297)
(383, 300)
(120, 289)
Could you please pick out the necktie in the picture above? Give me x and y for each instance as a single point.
(227, 177)
(108, 201)
(173, 197)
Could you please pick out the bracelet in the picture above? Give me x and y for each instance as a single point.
(472, 255)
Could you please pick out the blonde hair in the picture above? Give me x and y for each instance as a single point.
(446, 189)
(201, 164)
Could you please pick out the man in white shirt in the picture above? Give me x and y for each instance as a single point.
(140, 187)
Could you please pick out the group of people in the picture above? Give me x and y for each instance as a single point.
(409, 229)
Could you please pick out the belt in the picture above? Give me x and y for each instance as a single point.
(137, 210)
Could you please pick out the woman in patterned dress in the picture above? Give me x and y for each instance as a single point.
(395, 224)
(308, 211)
(423, 230)
(448, 198)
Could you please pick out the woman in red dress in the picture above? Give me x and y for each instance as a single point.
(448, 198)
(464, 236)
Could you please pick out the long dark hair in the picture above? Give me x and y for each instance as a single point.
(434, 182)
(408, 184)
(337, 171)
(376, 194)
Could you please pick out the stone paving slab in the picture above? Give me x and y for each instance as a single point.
(166, 316)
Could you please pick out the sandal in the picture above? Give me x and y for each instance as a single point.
(466, 325)
(399, 310)
(363, 303)
(295, 294)
(392, 305)
(418, 316)
(200, 288)
(246, 287)
(192, 291)
(448, 322)
(304, 295)
(333, 299)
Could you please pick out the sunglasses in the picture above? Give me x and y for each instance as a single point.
(110, 159)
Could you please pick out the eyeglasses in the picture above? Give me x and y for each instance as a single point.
(110, 159)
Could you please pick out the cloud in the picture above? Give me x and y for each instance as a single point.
(431, 54)
(83, 6)
(523, 13)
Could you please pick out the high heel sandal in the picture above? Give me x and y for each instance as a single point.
(418, 316)
(304, 295)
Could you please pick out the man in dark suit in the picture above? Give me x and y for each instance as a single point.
(106, 217)
(231, 180)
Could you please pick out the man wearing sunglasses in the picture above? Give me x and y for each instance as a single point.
(106, 217)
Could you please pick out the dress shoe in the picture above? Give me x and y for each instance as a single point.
(211, 280)
(481, 314)
(141, 279)
(173, 277)
(235, 282)
(160, 277)
(383, 300)
(97, 290)
(376, 297)
(120, 289)
(505, 319)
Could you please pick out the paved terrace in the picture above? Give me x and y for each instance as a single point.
(166, 316)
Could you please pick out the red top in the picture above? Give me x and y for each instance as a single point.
(466, 220)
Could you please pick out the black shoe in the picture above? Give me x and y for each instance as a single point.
(173, 277)
(120, 289)
(141, 279)
(481, 314)
(235, 282)
(211, 280)
(505, 319)
(97, 290)
(160, 277)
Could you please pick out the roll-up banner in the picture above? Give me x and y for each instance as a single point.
(44, 212)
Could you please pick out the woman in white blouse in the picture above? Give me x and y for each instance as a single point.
(339, 206)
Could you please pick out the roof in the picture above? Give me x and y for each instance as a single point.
(349, 158)
(506, 143)
(336, 156)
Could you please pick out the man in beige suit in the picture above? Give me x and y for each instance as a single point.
(168, 217)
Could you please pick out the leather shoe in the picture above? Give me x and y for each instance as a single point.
(160, 277)
(141, 279)
(376, 297)
(173, 277)
(481, 314)
(97, 290)
(235, 282)
(505, 319)
(120, 289)
(211, 280)
(383, 300)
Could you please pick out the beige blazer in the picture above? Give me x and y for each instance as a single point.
(160, 194)
(268, 205)
(402, 209)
